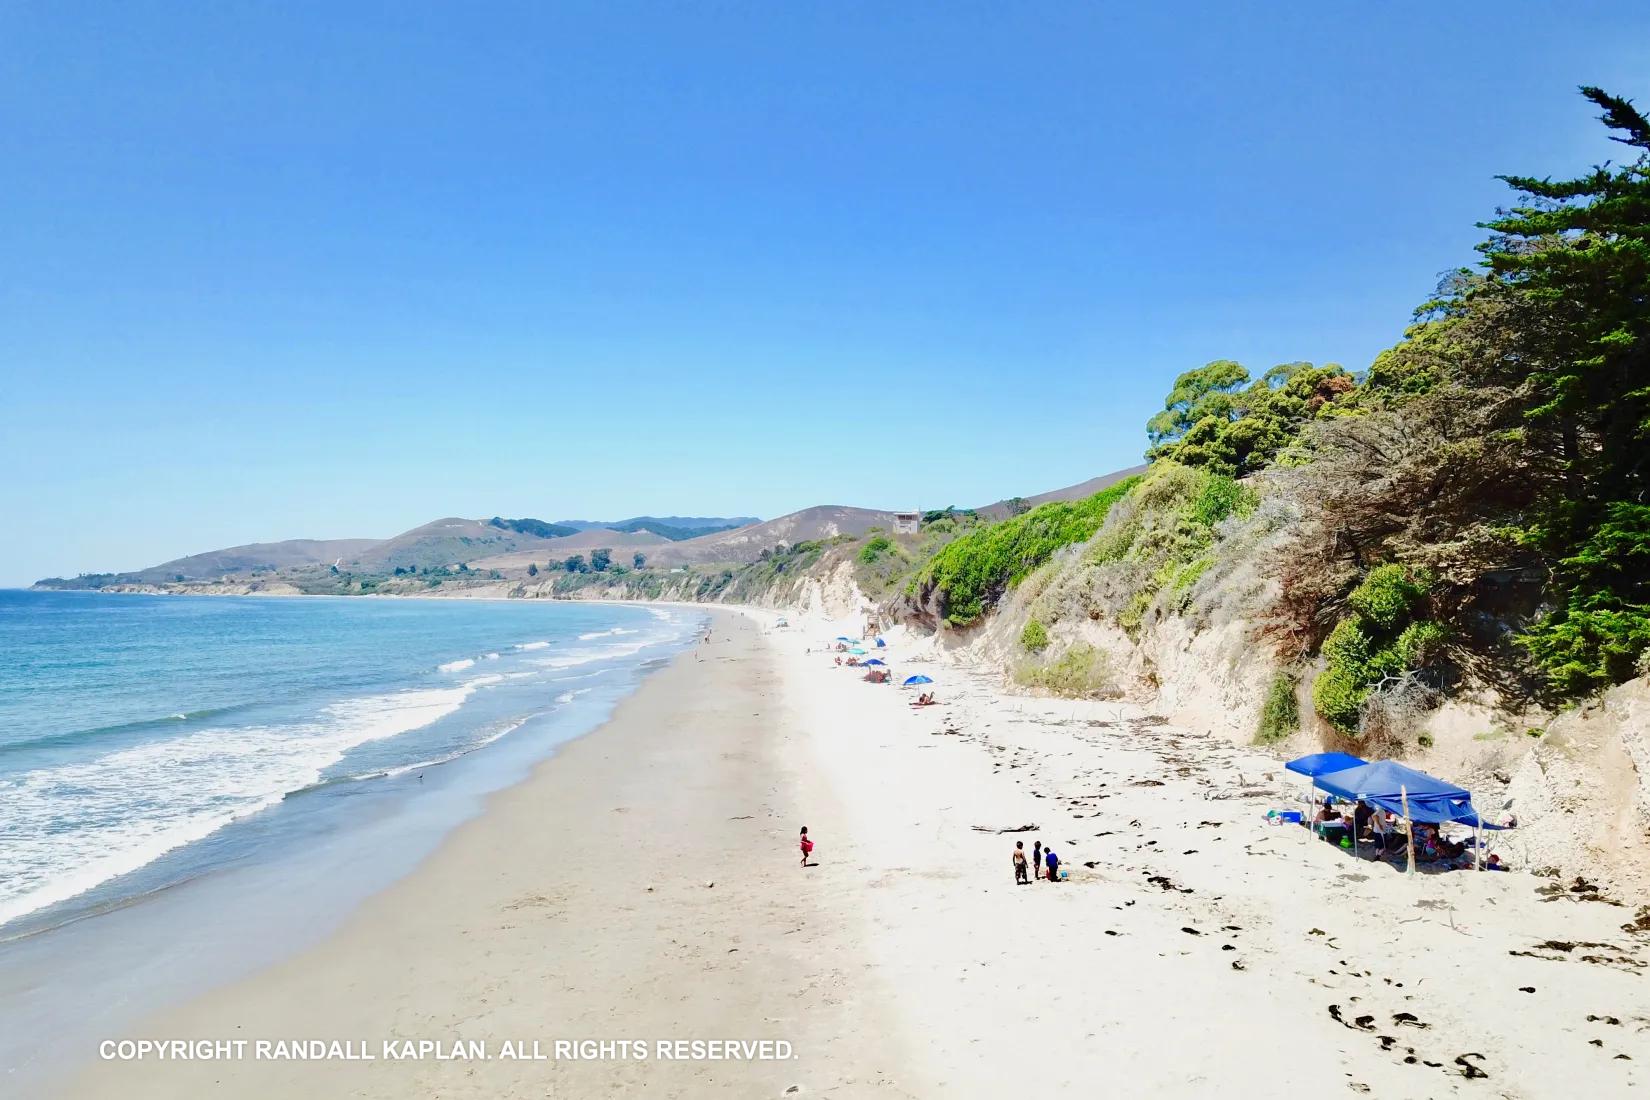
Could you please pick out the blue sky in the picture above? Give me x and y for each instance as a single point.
(273, 271)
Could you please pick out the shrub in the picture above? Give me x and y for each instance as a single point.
(1280, 717)
(1418, 643)
(1034, 637)
(1221, 497)
(1338, 695)
(1389, 593)
(1368, 646)
(875, 548)
(1081, 672)
(1347, 646)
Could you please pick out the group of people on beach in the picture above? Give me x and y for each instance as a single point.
(1044, 863)
(1374, 826)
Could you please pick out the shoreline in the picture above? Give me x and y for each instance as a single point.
(522, 925)
(272, 882)
(1195, 950)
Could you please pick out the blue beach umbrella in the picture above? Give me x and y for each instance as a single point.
(857, 652)
(843, 638)
(874, 661)
(909, 680)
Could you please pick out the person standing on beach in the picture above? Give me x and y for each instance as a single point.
(1037, 860)
(1020, 863)
(806, 845)
(1053, 865)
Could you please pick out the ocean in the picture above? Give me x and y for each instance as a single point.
(148, 741)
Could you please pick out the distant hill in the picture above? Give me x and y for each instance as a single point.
(253, 557)
(675, 528)
(533, 527)
(1082, 490)
(624, 545)
(495, 543)
(671, 531)
(747, 543)
(447, 541)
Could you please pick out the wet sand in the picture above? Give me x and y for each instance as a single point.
(580, 906)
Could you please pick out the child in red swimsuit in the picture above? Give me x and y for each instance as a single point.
(806, 845)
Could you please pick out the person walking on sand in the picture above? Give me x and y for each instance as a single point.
(1037, 860)
(806, 845)
(1020, 863)
(1053, 865)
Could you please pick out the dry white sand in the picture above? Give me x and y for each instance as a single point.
(1196, 951)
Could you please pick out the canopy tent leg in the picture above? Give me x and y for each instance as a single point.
(1477, 838)
(1409, 830)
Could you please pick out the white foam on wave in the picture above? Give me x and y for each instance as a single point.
(450, 757)
(489, 656)
(594, 634)
(70, 827)
(576, 657)
(533, 645)
(457, 666)
(568, 696)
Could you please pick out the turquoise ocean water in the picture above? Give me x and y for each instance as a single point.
(148, 740)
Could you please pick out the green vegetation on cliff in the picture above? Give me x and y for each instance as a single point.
(968, 575)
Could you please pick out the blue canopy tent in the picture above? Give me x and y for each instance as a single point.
(1315, 765)
(1320, 762)
(1404, 791)
(909, 680)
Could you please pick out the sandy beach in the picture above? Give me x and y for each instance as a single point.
(643, 884)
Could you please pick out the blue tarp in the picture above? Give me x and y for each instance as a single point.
(1386, 783)
(1320, 762)
(909, 680)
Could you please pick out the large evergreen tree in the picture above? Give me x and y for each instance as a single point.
(1569, 274)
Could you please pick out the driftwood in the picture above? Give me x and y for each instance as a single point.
(1005, 829)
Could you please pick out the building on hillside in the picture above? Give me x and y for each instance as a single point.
(907, 523)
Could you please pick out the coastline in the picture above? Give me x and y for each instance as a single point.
(1194, 951)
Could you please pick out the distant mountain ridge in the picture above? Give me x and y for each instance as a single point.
(509, 546)
(447, 542)
(252, 558)
(674, 528)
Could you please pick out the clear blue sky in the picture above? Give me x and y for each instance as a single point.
(282, 270)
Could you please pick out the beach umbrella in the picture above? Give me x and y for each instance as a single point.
(875, 661)
(843, 638)
(857, 652)
(909, 680)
